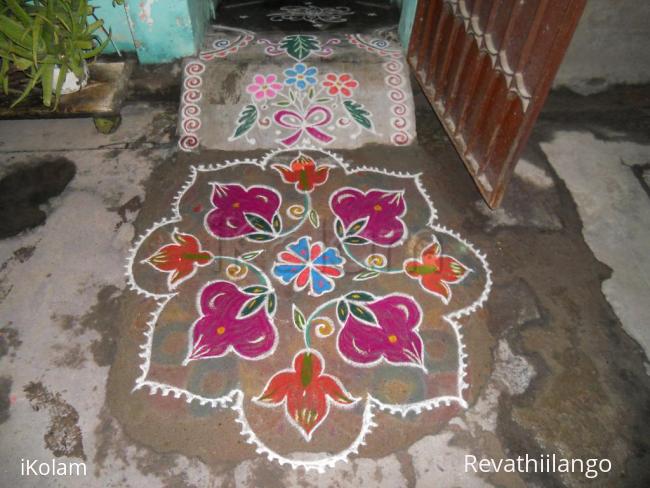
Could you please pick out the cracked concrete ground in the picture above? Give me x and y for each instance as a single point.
(557, 359)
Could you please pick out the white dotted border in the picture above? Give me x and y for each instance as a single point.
(235, 398)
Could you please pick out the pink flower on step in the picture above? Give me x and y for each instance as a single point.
(264, 87)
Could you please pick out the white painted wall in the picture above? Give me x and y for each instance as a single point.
(609, 46)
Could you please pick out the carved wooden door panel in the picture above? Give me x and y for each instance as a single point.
(486, 66)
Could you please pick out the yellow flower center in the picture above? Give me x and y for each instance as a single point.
(392, 339)
(221, 330)
(235, 205)
(378, 208)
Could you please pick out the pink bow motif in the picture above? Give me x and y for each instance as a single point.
(316, 117)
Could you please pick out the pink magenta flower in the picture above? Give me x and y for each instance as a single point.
(264, 87)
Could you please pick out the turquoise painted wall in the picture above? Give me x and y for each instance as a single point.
(159, 30)
(116, 20)
(406, 21)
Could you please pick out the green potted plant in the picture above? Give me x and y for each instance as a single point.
(48, 43)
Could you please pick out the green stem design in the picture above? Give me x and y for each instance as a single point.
(365, 266)
(314, 315)
(307, 204)
(254, 269)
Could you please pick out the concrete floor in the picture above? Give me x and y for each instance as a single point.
(559, 356)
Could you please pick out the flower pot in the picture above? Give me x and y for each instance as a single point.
(72, 82)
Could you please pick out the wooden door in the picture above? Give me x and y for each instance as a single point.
(486, 66)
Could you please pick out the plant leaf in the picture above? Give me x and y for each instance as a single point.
(298, 317)
(247, 117)
(258, 222)
(46, 83)
(366, 275)
(30, 86)
(358, 113)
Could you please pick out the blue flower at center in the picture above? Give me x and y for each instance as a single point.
(309, 264)
(301, 76)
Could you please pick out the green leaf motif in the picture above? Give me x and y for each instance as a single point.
(356, 227)
(340, 230)
(258, 222)
(363, 313)
(247, 118)
(366, 275)
(255, 290)
(298, 318)
(249, 256)
(270, 303)
(313, 218)
(360, 115)
(259, 237)
(359, 296)
(342, 311)
(252, 306)
(300, 46)
(277, 223)
(355, 240)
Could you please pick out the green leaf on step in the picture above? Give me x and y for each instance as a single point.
(363, 313)
(359, 296)
(252, 305)
(258, 222)
(247, 117)
(298, 318)
(300, 46)
(358, 113)
(366, 275)
(342, 311)
(255, 290)
(313, 218)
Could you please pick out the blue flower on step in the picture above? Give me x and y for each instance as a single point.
(301, 76)
(309, 264)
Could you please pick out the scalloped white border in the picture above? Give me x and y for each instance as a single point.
(235, 398)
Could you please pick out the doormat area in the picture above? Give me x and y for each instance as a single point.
(248, 90)
(300, 296)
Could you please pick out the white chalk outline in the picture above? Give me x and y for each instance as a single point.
(235, 398)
